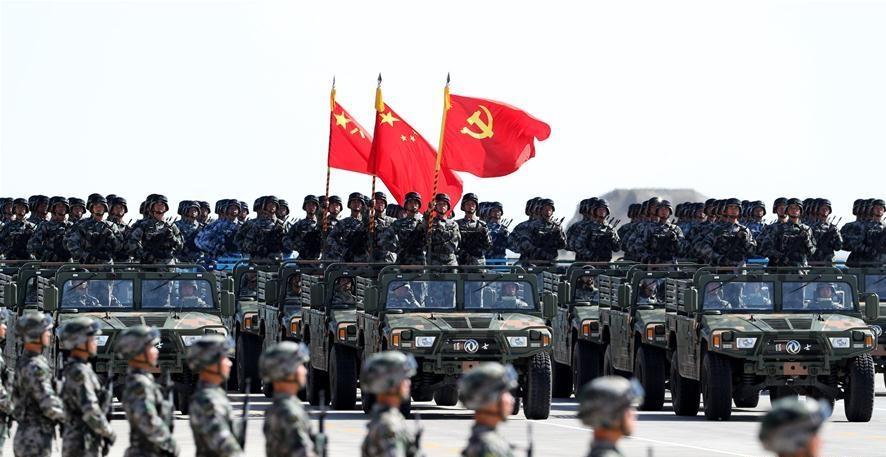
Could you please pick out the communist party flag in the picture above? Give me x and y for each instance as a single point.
(487, 138)
(349, 143)
(405, 161)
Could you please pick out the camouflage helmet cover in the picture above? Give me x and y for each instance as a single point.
(603, 401)
(76, 331)
(208, 350)
(791, 423)
(31, 325)
(382, 372)
(485, 384)
(134, 340)
(281, 360)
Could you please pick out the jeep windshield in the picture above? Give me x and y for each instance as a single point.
(499, 295)
(817, 297)
(651, 292)
(738, 297)
(96, 293)
(876, 284)
(421, 295)
(177, 293)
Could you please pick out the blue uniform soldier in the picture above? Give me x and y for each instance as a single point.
(217, 238)
(188, 227)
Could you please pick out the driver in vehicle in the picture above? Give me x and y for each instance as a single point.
(77, 296)
(509, 297)
(713, 297)
(825, 297)
(586, 289)
(403, 298)
(647, 292)
(753, 297)
(294, 287)
(188, 295)
(344, 292)
(249, 285)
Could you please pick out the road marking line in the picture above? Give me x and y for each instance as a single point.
(648, 440)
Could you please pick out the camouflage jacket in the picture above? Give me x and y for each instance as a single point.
(498, 235)
(379, 253)
(35, 219)
(756, 227)
(853, 241)
(124, 229)
(695, 245)
(305, 238)
(658, 242)
(188, 252)
(727, 245)
(873, 243)
(604, 449)
(93, 241)
(14, 237)
(217, 238)
(445, 240)
(388, 434)
(212, 422)
(475, 241)
(519, 237)
(152, 241)
(36, 402)
(406, 237)
(540, 240)
(288, 429)
(150, 416)
(487, 442)
(6, 404)
(788, 245)
(348, 241)
(626, 234)
(827, 241)
(571, 233)
(48, 242)
(261, 239)
(593, 241)
(84, 401)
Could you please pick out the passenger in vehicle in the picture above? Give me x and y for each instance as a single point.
(509, 297)
(403, 298)
(77, 296)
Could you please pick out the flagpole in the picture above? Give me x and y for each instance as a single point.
(379, 106)
(446, 106)
(328, 168)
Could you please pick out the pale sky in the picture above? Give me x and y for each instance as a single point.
(208, 99)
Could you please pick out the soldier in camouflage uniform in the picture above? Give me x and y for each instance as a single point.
(348, 240)
(15, 234)
(37, 405)
(149, 414)
(380, 223)
(872, 245)
(283, 212)
(39, 207)
(607, 405)
(332, 207)
(262, 238)
(287, 426)
(188, 227)
(5, 210)
(791, 428)
(755, 218)
(94, 240)
(6, 404)
(659, 241)
(789, 244)
(444, 235)
(487, 390)
(584, 210)
(205, 210)
(211, 416)
(542, 239)
(78, 209)
(86, 430)
(728, 243)
(406, 236)
(853, 235)
(522, 231)
(152, 239)
(626, 231)
(386, 375)
(700, 231)
(498, 232)
(243, 215)
(595, 240)
(475, 240)
(48, 242)
(778, 208)
(217, 238)
(827, 236)
(116, 213)
(304, 236)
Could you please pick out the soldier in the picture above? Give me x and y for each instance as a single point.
(543, 238)
(403, 298)
(86, 430)
(475, 240)
(211, 416)
(728, 243)
(243, 215)
(626, 231)
(262, 238)
(380, 223)
(584, 210)
(118, 209)
(873, 240)
(48, 242)
(283, 212)
(510, 297)
(791, 427)
(94, 240)
(153, 240)
(37, 406)
(15, 234)
(607, 405)
(6, 403)
(659, 241)
(487, 390)
(789, 244)
(517, 239)
(386, 375)
(150, 415)
(203, 217)
(596, 240)
(217, 238)
(287, 426)
(700, 231)
(332, 209)
(827, 236)
(852, 234)
(498, 232)
(39, 207)
(406, 236)
(5, 210)
(778, 207)
(304, 236)
(78, 209)
(756, 212)
(348, 240)
(188, 227)
(444, 235)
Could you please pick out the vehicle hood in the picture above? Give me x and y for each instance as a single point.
(449, 322)
(161, 320)
(785, 322)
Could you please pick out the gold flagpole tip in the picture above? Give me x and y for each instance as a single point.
(333, 81)
(447, 78)
(379, 79)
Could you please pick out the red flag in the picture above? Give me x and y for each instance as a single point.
(405, 161)
(487, 138)
(349, 143)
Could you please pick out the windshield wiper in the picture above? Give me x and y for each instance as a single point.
(806, 284)
(485, 285)
(164, 283)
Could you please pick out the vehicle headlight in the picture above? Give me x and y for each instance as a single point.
(841, 342)
(101, 340)
(518, 341)
(424, 341)
(877, 330)
(745, 343)
(190, 339)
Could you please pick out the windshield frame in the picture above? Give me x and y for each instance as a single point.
(67, 291)
(207, 289)
(471, 286)
(401, 282)
(773, 291)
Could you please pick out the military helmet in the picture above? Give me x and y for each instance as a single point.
(208, 350)
(221, 206)
(118, 200)
(31, 325)
(778, 202)
(355, 196)
(132, 341)
(794, 201)
(380, 196)
(679, 210)
(792, 423)
(21, 202)
(823, 202)
(269, 199)
(443, 197)
(258, 203)
(393, 210)
(243, 206)
(185, 205)
(542, 202)
(334, 199)
(281, 360)
(76, 331)
(496, 205)
(310, 199)
(412, 196)
(809, 204)
(731, 202)
(633, 210)
(485, 384)
(529, 205)
(877, 202)
(36, 200)
(856, 206)
(383, 371)
(470, 196)
(74, 201)
(59, 201)
(203, 205)
(282, 203)
(603, 401)
(584, 206)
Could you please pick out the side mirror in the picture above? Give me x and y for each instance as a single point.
(564, 291)
(228, 284)
(549, 305)
(370, 300)
(228, 307)
(50, 299)
(871, 307)
(625, 292)
(272, 291)
(690, 297)
(318, 296)
(10, 291)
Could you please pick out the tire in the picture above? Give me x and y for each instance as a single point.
(343, 378)
(516, 409)
(248, 352)
(858, 401)
(367, 401)
(587, 364)
(649, 368)
(716, 387)
(561, 380)
(181, 396)
(422, 394)
(538, 387)
(685, 395)
(747, 400)
(267, 388)
(608, 369)
(779, 392)
(318, 386)
(446, 395)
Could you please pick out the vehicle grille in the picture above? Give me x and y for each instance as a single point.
(480, 322)
(457, 322)
(167, 347)
(801, 324)
(155, 321)
(130, 321)
(777, 324)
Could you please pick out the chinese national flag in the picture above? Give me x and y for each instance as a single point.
(487, 138)
(349, 143)
(405, 161)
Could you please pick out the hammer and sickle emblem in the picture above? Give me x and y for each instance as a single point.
(484, 126)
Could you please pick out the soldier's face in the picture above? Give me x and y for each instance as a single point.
(380, 206)
(224, 366)
(91, 346)
(547, 211)
(158, 210)
(2, 331)
(188, 290)
(780, 210)
(282, 213)
(232, 212)
(793, 211)
(405, 388)
(601, 212)
(506, 405)
(20, 210)
(441, 207)
(45, 337)
(59, 212)
(271, 208)
(311, 208)
(469, 207)
(98, 211)
(301, 375)
(355, 205)
(204, 212)
(733, 211)
(77, 212)
(243, 214)
(42, 208)
(495, 214)
(192, 213)
(509, 290)
(759, 212)
(411, 206)
(118, 211)
(152, 355)
(335, 209)
(629, 422)
(663, 212)
(7, 209)
(878, 211)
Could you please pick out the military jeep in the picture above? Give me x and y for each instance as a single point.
(872, 280)
(453, 318)
(282, 297)
(732, 334)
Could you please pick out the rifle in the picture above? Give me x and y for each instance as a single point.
(245, 415)
(418, 432)
(109, 411)
(320, 439)
(530, 447)
(167, 381)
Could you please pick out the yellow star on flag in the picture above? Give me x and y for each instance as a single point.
(402, 137)
(388, 118)
(342, 120)
(412, 138)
